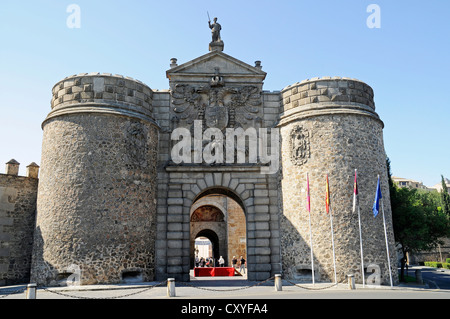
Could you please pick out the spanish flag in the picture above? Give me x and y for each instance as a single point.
(327, 199)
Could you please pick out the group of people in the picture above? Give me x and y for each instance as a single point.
(210, 262)
(204, 262)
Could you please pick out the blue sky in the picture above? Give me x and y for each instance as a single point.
(406, 60)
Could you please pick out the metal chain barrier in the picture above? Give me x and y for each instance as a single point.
(231, 289)
(314, 288)
(145, 289)
(115, 297)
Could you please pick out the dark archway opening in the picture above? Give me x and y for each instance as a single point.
(214, 239)
(132, 276)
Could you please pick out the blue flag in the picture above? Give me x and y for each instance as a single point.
(378, 196)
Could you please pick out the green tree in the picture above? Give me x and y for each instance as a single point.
(419, 223)
(445, 197)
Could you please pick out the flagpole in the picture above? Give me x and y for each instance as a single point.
(310, 231)
(387, 246)
(332, 242)
(328, 205)
(311, 243)
(361, 248)
(356, 203)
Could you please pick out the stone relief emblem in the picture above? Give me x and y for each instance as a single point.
(216, 105)
(300, 145)
(216, 113)
(217, 79)
(136, 142)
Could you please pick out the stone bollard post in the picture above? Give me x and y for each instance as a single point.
(278, 284)
(351, 282)
(171, 287)
(419, 278)
(31, 291)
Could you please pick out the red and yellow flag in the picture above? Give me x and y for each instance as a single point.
(327, 199)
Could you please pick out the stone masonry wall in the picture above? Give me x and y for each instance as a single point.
(17, 217)
(237, 230)
(333, 138)
(97, 196)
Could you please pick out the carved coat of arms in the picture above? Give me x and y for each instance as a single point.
(299, 145)
(216, 113)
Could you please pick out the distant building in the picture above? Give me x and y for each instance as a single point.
(203, 247)
(406, 182)
(438, 186)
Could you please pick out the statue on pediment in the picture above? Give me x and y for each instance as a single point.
(215, 30)
(216, 44)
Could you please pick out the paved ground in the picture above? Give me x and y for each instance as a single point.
(223, 298)
(236, 288)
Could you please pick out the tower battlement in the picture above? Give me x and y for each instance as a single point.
(328, 89)
(102, 93)
(12, 169)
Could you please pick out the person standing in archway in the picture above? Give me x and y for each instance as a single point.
(197, 261)
(234, 262)
(242, 265)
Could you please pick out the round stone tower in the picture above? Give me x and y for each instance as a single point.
(329, 126)
(97, 191)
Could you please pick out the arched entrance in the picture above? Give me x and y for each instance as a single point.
(255, 194)
(208, 221)
(221, 219)
(212, 251)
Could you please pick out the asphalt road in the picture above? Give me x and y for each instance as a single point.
(435, 278)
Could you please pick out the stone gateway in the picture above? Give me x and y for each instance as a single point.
(111, 199)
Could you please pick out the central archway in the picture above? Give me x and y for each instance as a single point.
(218, 215)
(253, 193)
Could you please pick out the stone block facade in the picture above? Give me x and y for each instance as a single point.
(237, 232)
(247, 187)
(332, 136)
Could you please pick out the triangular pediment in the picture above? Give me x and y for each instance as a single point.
(208, 63)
